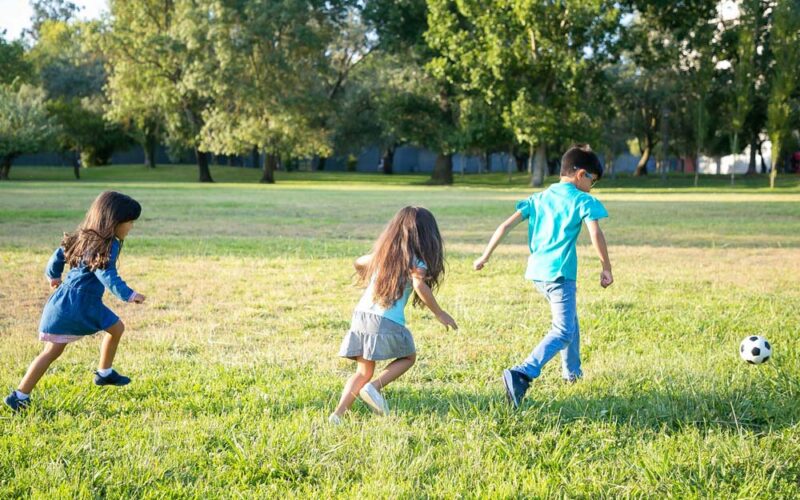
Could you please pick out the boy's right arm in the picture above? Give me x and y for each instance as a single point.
(498, 235)
(55, 267)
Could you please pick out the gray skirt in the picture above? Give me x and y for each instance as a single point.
(376, 338)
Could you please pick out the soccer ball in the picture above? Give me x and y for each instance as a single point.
(755, 350)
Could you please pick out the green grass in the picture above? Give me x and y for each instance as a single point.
(250, 292)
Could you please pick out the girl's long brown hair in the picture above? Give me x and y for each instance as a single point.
(411, 234)
(90, 244)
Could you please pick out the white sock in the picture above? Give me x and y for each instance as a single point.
(104, 372)
(22, 395)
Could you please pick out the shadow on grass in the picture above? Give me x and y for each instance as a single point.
(654, 410)
(728, 408)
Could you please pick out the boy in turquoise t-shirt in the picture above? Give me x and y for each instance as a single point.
(554, 218)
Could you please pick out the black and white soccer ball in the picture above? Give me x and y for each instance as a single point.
(755, 350)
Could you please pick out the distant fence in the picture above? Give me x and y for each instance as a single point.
(411, 159)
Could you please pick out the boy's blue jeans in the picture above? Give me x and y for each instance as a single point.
(564, 334)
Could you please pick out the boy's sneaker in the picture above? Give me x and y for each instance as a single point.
(112, 378)
(516, 385)
(334, 419)
(15, 403)
(370, 395)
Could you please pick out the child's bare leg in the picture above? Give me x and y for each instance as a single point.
(393, 370)
(108, 349)
(364, 371)
(40, 365)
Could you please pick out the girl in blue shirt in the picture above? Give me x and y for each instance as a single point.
(76, 310)
(408, 256)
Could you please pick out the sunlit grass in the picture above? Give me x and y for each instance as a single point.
(250, 291)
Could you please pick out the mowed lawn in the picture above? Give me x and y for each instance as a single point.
(250, 290)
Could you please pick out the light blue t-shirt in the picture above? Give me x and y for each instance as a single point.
(396, 312)
(554, 218)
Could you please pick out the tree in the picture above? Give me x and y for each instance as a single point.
(62, 11)
(13, 65)
(162, 47)
(425, 104)
(743, 67)
(784, 101)
(534, 62)
(666, 59)
(349, 49)
(25, 126)
(272, 86)
(84, 131)
(72, 73)
(130, 104)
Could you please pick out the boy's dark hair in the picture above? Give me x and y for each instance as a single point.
(580, 156)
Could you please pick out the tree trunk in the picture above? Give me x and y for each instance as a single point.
(510, 163)
(641, 167)
(256, 158)
(76, 165)
(539, 166)
(270, 164)
(609, 166)
(321, 163)
(202, 166)
(443, 169)
(776, 158)
(530, 161)
(520, 162)
(735, 149)
(5, 167)
(388, 160)
(751, 167)
(697, 168)
(150, 144)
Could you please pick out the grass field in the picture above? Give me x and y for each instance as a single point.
(250, 291)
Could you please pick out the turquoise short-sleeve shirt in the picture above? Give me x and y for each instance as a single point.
(395, 312)
(554, 219)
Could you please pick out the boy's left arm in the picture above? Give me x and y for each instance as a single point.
(600, 246)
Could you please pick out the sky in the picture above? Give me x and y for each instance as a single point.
(15, 15)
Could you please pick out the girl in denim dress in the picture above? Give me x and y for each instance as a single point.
(408, 256)
(76, 310)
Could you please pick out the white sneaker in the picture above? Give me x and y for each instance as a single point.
(334, 419)
(370, 395)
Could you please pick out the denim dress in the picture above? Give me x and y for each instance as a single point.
(76, 307)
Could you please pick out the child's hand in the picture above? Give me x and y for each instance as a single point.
(447, 320)
(55, 282)
(480, 262)
(606, 278)
(138, 298)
